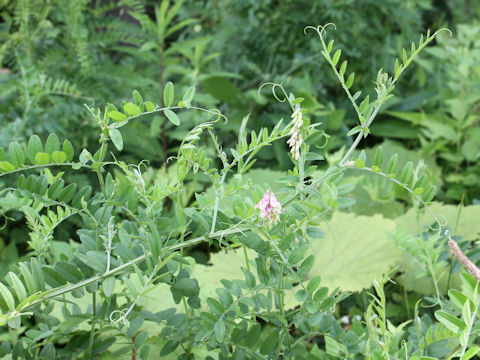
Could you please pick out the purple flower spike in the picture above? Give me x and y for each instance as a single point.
(270, 208)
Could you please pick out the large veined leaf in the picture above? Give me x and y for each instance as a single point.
(354, 249)
(467, 225)
(225, 265)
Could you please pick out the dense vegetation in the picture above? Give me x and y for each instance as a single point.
(223, 180)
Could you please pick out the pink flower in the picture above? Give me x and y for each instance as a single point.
(270, 208)
(296, 139)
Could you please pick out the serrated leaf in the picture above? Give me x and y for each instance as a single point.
(168, 94)
(172, 117)
(117, 138)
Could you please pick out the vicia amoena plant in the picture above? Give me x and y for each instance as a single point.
(126, 284)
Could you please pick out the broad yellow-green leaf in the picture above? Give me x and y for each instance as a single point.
(6, 166)
(42, 158)
(354, 249)
(467, 225)
(117, 116)
(131, 109)
(59, 157)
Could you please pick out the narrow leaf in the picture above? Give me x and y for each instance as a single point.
(174, 119)
(350, 79)
(8, 297)
(67, 148)
(117, 139)
(451, 322)
(336, 57)
(168, 94)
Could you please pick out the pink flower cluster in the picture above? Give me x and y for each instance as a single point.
(270, 208)
(296, 139)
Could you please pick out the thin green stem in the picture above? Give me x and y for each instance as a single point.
(30, 167)
(92, 332)
(43, 296)
(246, 257)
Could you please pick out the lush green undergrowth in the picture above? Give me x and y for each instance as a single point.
(274, 206)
